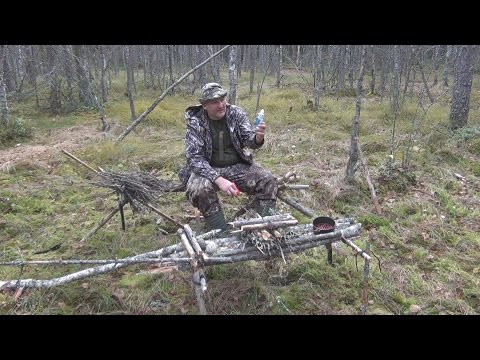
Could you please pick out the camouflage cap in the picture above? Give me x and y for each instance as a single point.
(212, 91)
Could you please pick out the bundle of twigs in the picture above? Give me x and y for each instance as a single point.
(137, 187)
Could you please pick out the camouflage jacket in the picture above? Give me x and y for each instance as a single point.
(198, 140)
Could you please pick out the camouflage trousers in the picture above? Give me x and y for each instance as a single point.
(250, 179)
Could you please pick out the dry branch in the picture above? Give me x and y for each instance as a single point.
(100, 224)
(240, 223)
(357, 249)
(270, 225)
(79, 161)
(161, 97)
(304, 210)
(91, 262)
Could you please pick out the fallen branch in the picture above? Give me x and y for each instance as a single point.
(80, 161)
(240, 223)
(356, 248)
(293, 187)
(100, 224)
(270, 225)
(161, 97)
(32, 283)
(90, 262)
(304, 210)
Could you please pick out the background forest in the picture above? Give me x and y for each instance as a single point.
(413, 110)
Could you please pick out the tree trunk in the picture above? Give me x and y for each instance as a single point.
(462, 86)
(130, 80)
(8, 75)
(436, 64)
(253, 53)
(202, 80)
(396, 79)
(384, 75)
(279, 65)
(84, 86)
(240, 60)
(351, 64)
(170, 63)
(409, 67)
(448, 53)
(54, 83)
(214, 65)
(69, 69)
(395, 97)
(297, 61)
(3, 90)
(232, 75)
(317, 68)
(372, 72)
(32, 72)
(104, 72)
(430, 97)
(341, 70)
(353, 152)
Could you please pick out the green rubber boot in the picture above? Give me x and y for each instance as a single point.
(216, 221)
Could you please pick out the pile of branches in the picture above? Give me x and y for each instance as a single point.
(137, 187)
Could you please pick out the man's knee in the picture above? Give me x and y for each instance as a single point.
(270, 184)
(199, 187)
(202, 194)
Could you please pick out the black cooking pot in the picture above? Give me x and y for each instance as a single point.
(323, 224)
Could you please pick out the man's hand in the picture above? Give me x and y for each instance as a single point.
(260, 132)
(227, 187)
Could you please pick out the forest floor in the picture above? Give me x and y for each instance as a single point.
(44, 145)
(427, 238)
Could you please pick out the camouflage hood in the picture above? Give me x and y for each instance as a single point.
(198, 141)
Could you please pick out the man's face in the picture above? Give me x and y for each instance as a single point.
(216, 108)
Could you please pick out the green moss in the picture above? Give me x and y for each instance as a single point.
(372, 220)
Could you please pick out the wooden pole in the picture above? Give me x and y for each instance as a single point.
(366, 273)
(80, 161)
(100, 224)
(121, 203)
(296, 205)
(199, 286)
(161, 97)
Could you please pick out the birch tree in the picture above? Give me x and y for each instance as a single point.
(215, 68)
(445, 68)
(317, 68)
(279, 65)
(253, 56)
(53, 79)
(3, 90)
(86, 94)
(232, 75)
(353, 152)
(372, 70)
(462, 86)
(395, 96)
(130, 79)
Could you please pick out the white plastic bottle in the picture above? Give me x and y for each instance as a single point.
(259, 118)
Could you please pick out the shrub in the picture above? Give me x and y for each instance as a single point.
(15, 130)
